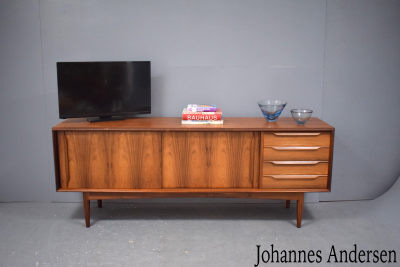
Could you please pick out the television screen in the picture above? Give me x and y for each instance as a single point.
(103, 89)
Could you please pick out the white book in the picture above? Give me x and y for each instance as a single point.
(202, 122)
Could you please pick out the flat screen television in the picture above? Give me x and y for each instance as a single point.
(103, 90)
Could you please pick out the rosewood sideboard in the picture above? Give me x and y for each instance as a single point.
(151, 157)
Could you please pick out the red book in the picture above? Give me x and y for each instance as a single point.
(200, 116)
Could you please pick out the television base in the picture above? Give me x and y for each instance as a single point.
(105, 118)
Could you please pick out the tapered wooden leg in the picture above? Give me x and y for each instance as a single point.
(99, 203)
(86, 208)
(300, 204)
(287, 204)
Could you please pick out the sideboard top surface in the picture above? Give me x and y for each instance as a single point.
(174, 124)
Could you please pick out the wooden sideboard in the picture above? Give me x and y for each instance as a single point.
(150, 157)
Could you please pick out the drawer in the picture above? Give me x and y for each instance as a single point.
(296, 153)
(297, 139)
(295, 167)
(294, 182)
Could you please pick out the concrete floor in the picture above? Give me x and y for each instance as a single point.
(147, 234)
(222, 234)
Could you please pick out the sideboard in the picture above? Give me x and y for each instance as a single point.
(151, 157)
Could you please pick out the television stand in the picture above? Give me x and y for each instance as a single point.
(105, 118)
(151, 157)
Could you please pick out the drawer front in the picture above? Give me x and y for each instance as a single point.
(294, 181)
(297, 139)
(296, 153)
(295, 168)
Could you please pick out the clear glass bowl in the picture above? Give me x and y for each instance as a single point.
(301, 116)
(271, 109)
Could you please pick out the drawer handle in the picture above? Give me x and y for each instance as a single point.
(296, 147)
(309, 177)
(297, 134)
(297, 162)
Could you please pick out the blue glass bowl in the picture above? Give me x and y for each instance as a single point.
(301, 116)
(271, 109)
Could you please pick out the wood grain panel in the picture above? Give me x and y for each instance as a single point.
(111, 159)
(62, 158)
(209, 159)
(305, 168)
(297, 139)
(163, 124)
(294, 182)
(296, 153)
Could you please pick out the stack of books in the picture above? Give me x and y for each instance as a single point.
(202, 114)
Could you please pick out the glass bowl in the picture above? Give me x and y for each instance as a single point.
(301, 116)
(271, 109)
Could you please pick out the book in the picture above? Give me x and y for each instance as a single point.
(203, 122)
(217, 111)
(201, 108)
(209, 115)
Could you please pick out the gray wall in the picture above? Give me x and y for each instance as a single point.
(339, 58)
